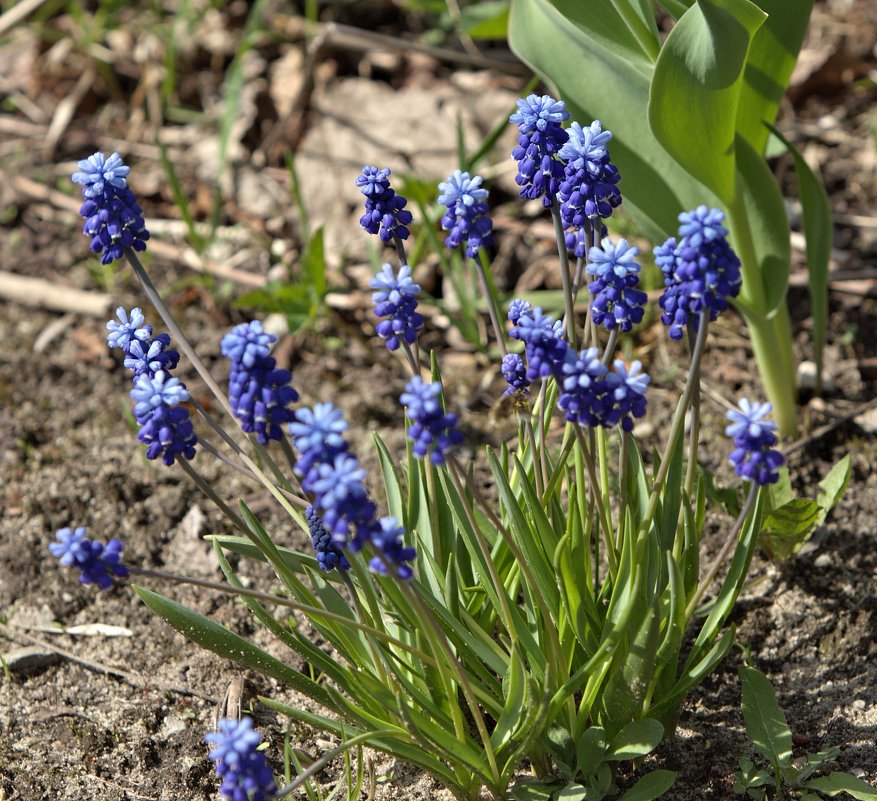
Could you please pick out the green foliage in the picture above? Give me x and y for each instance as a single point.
(690, 118)
(785, 776)
(792, 521)
(303, 302)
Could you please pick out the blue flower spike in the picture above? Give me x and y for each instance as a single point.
(701, 271)
(97, 563)
(240, 764)
(395, 298)
(113, 219)
(259, 391)
(589, 191)
(385, 212)
(615, 300)
(541, 136)
(165, 425)
(342, 516)
(432, 430)
(466, 216)
(753, 457)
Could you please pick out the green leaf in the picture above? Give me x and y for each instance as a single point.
(636, 739)
(562, 42)
(818, 236)
(786, 529)
(696, 88)
(768, 227)
(765, 722)
(780, 493)
(220, 640)
(530, 790)
(513, 687)
(836, 783)
(487, 19)
(652, 785)
(313, 263)
(572, 792)
(772, 58)
(591, 750)
(833, 487)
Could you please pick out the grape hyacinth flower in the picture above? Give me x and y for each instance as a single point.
(540, 168)
(615, 300)
(515, 373)
(545, 346)
(585, 395)
(388, 537)
(97, 563)
(240, 764)
(165, 426)
(753, 457)
(318, 433)
(466, 217)
(395, 298)
(113, 219)
(589, 189)
(258, 390)
(129, 328)
(385, 212)
(432, 430)
(701, 271)
(516, 308)
(628, 386)
(144, 354)
(341, 502)
(329, 555)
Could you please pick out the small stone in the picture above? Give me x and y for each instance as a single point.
(807, 377)
(823, 560)
(859, 703)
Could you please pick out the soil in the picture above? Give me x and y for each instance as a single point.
(119, 714)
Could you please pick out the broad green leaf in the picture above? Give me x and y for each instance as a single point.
(675, 8)
(780, 493)
(613, 25)
(572, 792)
(696, 88)
(833, 487)
(513, 687)
(636, 739)
(531, 790)
(818, 238)
(615, 91)
(652, 785)
(487, 19)
(765, 722)
(786, 529)
(591, 750)
(769, 66)
(837, 783)
(767, 227)
(221, 641)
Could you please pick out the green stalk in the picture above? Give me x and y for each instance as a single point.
(771, 337)
(569, 319)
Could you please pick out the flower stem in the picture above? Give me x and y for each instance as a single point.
(569, 314)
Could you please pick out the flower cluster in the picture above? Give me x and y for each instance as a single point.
(590, 183)
(701, 271)
(395, 298)
(341, 502)
(329, 555)
(540, 169)
(385, 212)
(113, 218)
(432, 430)
(593, 395)
(258, 390)
(466, 217)
(97, 563)
(615, 300)
(239, 762)
(165, 425)
(514, 371)
(543, 340)
(753, 456)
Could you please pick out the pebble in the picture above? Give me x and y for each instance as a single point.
(823, 560)
(859, 703)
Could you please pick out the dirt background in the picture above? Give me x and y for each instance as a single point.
(119, 718)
